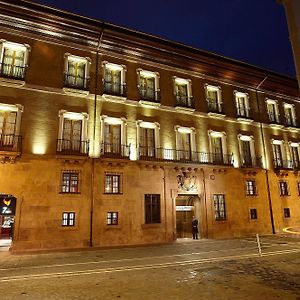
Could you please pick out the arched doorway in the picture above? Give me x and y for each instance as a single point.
(7, 218)
(187, 206)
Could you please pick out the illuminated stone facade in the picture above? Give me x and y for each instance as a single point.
(125, 136)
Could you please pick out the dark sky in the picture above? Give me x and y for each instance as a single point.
(253, 31)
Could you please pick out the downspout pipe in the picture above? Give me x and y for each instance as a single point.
(94, 133)
(257, 88)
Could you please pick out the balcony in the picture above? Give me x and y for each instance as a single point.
(243, 112)
(12, 71)
(184, 101)
(71, 147)
(76, 82)
(249, 162)
(290, 122)
(283, 164)
(149, 95)
(10, 143)
(114, 88)
(114, 150)
(214, 106)
(172, 155)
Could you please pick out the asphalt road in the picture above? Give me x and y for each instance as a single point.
(202, 269)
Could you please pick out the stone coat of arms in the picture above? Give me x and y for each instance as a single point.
(187, 182)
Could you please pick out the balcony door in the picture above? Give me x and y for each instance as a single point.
(147, 87)
(272, 111)
(7, 128)
(76, 73)
(277, 155)
(184, 146)
(113, 81)
(112, 138)
(295, 157)
(147, 142)
(72, 135)
(242, 105)
(217, 149)
(13, 62)
(246, 153)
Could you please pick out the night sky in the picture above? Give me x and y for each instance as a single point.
(253, 31)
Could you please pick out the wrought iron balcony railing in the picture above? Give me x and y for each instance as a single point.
(251, 162)
(290, 122)
(150, 95)
(76, 82)
(10, 143)
(243, 112)
(184, 101)
(280, 164)
(72, 147)
(115, 150)
(214, 106)
(114, 88)
(161, 154)
(12, 71)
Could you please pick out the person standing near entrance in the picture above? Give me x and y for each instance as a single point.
(195, 227)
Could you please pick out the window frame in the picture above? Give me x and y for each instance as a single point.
(284, 191)
(70, 221)
(154, 215)
(70, 173)
(286, 213)
(111, 175)
(254, 188)
(112, 218)
(217, 205)
(253, 214)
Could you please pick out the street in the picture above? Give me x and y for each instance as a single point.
(198, 269)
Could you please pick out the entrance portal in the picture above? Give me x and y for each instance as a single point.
(185, 210)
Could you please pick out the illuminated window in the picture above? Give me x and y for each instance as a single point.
(112, 218)
(273, 111)
(114, 79)
(279, 154)
(13, 60)
(113, 184)
(284, 188)
(253, 214)
(70, 182)
(152, 208)
(183, 92)
(295, 155)
(289, 115)
(218, 148)
(213, 98)
(76, 72)
(148, 85)
(242, 105)
(247, 151)
(219, 205)
(250, 187)
(68, 219)
(286, 213)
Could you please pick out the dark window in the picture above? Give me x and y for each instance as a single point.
(112, 218)
(68, 219)
(152, 208)
(250, 188)
(298, 185)
(219, 204)
(286, 213)
(284, 188)
(253, 214)
(113, 184)
(70, 182)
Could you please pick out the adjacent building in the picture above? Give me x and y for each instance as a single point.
(113, 137)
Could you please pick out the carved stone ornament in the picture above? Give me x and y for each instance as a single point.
(187, 181)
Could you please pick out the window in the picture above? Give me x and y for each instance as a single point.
(278, 151)
(253, 214)
(218, 150)
(114, 79)
(213, 98)
(289, 115)
(298, 186)
(286, 213)
(250, 187)
(13, 60)
(70, 182)
(273, 112)
(113, 183)
(219, 205)
(112, 218)
(185, 142)
(295, 155)
(152, 208)
(147, 142)
(68, 219)
(148, 86)
(242, 105)
(72, 134)
(183, 92)
(76, 72)
(247, 151)
(284, 188)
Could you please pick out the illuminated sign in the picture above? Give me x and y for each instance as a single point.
(7, 205)
(184, 208)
